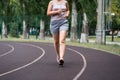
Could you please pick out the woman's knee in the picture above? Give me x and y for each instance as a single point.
(62, 41)
(56, 42)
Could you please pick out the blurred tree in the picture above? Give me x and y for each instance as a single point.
(74, 14)
(87, 8)
(4, 12)
(14, 29)
(115, 8)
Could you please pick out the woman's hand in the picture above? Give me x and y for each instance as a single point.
(58, 11)
(66, 15)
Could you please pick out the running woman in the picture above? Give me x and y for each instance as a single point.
(59, 12)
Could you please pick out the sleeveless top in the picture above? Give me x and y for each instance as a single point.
(61, 6)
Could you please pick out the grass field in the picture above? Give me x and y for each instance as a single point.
(115, 49)
(108, 38)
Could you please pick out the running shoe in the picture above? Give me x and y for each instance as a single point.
(61, 62)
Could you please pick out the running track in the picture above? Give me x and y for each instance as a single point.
(37, 61)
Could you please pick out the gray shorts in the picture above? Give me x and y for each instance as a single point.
(58, 25)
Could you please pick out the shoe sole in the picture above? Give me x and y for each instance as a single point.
(61, 62)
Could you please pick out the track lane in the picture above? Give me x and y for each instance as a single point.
(5, 50)
(100, 66)
(48, 65)
(26, 65)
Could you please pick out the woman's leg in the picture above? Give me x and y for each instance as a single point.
(56, 44)
(62, 38)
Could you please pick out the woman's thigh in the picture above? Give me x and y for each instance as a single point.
(62, 35)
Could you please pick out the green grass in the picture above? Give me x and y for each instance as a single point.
(108, 38)
(115, 49)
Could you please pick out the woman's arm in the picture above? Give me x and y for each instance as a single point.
(67, 11)
(49, 10)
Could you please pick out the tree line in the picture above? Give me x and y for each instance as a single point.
(23, 15)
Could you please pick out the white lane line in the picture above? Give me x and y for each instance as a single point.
(84, 65)
(8, 51)
(14, 70)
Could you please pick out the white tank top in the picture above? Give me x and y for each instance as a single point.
(59, 6)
